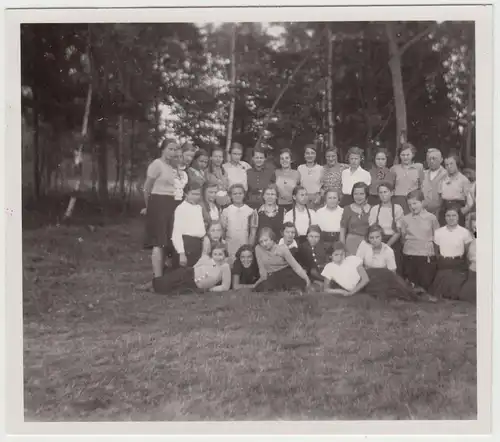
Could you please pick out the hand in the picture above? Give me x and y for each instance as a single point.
(144, 211)
(183, 260)
(308, 283)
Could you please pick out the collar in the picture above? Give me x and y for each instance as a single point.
(282, 243)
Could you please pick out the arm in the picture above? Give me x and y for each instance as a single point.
(469, 199)
(362, 283)
(225, 285)
(260, 265)
(421, 176)
(393, 239)
(344, 221)
(238, 286)
(327, 289)
(148, 186)
(206, 246)
(178, 230)
(292, 262)
(254, 222)
(398, 215)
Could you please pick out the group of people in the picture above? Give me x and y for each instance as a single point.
(391, 231)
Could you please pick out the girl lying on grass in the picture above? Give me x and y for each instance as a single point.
(211, 273)
(245, 269)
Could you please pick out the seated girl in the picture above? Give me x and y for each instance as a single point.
(215, 234)
(380, 264)
(468, 292)
(452, 242)
(288, 238)
(312, 254)
(211, 273)
(245, 269)
(278, 269)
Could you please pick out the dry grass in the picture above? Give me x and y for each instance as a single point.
(94, 349)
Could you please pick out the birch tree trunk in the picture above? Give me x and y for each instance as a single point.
(331, 124)
(232, 87)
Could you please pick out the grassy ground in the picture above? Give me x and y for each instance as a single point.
(96, 349)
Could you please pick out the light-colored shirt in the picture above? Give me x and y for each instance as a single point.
(377, 259)
(271, 261)
(346, 274)
(329, 220)
(383, 217)
(452, 242)
(454, 188)
(237, 174)
(408, 178)
(417, 232)
(350, 178)
(188, 220)
(302, 220)
(310, 177)
(286, 181)
(290, 246)
(164, 177)
(180, 181)
(430, 188)
(207, 273)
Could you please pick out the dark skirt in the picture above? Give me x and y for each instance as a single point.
(192, 249)
(329, 239)
(386, 284)
(281, 281)
(468, 291)
(373, 200)
(442, 211)
(160, 221)
(420, 270)
(345, 200)
(180, 280)
(401, 200)
(397, 247)
(450, 277)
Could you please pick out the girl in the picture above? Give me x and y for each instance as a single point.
(417, 234)
(355, 219)
(236, 169)
(259, 178)
(329, 217)
(312, 254)
(238, 221)
(452, 243)
(211, 273)
(210, 209)
(217, 173)
(311, 176)
(409, 176)
(300, 215)
(380, 263)
(161, 191)
(188, 152)
(468, 291)
(344, 276)
(215, 234)
(198, 170)
(388, 215)
(331, 177)
(288, 234)
(287, 180)
(354, 174)
(245, 269)
(270, 214)
(380, 173)
(454, 190)
(278, 269)
(189, 227)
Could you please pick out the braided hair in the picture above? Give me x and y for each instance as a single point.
(294, 193)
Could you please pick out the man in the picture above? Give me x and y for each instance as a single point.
(432, 179)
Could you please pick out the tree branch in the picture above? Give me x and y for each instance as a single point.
(417, 37)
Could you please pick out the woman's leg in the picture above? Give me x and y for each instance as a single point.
(181, 279)
(157, 261)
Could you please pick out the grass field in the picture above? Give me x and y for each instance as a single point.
(95, 349)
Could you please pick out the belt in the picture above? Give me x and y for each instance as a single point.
(450, 258)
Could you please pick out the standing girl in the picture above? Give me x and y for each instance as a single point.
(216, 173)
(270, 214)
(328, 218)
(355, 219)
(278, 269)
(409, 176)
(287, 179)
(198, 170)
(452, 243)
(380, 173)
(301, 216)
(239, 221)
(312, 254)
(311, 176)
(354, 174)
(417, 234)
(236, 169)
(468, 292)
(208, 203)
(259, 178)
(161, 197)
(332, 172)
(455, 191)
(388, 216)
(245, 269)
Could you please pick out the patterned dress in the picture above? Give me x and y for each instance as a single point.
(238, 223)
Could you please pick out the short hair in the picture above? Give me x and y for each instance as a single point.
(286, 150)
(236, 186)
(360, 185)
(374, 228)
(453, 207)
(333, 190)
(288, 225)
(167, 141)
(410, 146)
(260, 150)
(218, 246)
(244, 248)
(331, 149)
(456, 157)
(267, 231)
(236, 145)
(310, 146)
(354, 151)
(416, 194)
(216, 148)
(387, 184)
(314, 228)
(297, 189)
(384, 151)
(200, 153)
(271, 186)
(338, 245)
(188, 147)
(434, 150)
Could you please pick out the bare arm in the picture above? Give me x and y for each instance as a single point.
(362, 283)
(327, 289)
(260, 264)
(225, 285)
(342, 234)
(148, 186)
(292, 262)
(393, 239)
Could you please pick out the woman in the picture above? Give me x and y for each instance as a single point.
(286, 180)
(270, 214)
(161, 191)
(217, 173)
(354, 223)
(332, 172)
(198, 170)
(311, 176)
(258, 178)
(188, 152)
(236, 169)
(278, 269)
(354, 174)
(380, 173)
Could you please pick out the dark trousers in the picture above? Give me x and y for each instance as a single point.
(420, 270)
(282, 280)
(193, 247)
(180, 280)
(397, 247)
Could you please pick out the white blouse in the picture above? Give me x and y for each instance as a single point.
(188, 220)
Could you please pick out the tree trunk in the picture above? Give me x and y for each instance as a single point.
(102, 159)
(331, 124)
(121, 157)
(470, 111)
(36, 147)
(398, 90)
(232, 86)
